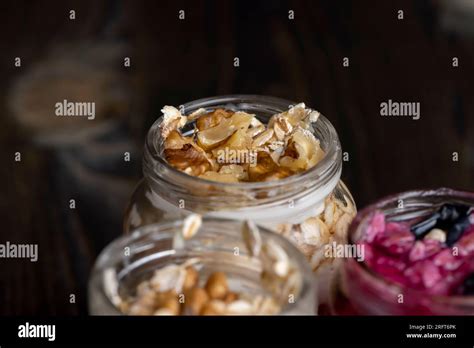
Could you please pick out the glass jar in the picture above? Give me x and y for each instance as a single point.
(285, 206)
(358, 290)
(218, 246)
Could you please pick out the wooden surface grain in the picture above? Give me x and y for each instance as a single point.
(175, 61)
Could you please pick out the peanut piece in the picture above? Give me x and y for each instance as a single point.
(195, 300)
(192, 277)
(216, 285)
(214, 307)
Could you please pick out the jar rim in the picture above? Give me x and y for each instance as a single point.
(380, 204)
(167, 229)
(328, 166)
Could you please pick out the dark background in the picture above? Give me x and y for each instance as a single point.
(174, 61)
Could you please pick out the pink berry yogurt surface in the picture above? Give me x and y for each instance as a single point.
(428, 264)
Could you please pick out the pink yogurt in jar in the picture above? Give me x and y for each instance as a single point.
(418, 257)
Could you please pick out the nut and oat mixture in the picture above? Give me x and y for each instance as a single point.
(228, 146)
(180, 290)
(233, 147)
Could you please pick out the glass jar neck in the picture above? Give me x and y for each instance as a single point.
(290, 199)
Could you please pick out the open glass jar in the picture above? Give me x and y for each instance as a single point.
(360, 290)
(218, 246)
(312, 208)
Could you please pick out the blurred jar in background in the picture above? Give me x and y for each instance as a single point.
(89, 154)
(78, 72)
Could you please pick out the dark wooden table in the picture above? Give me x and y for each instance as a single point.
(174, 61)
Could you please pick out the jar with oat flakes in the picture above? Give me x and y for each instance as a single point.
(221, 268)
(417, 257)
(287, 177)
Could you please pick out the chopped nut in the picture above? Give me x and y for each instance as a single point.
(436, 234)
(191, 279)
(237, 141)
(143, 288)
(216, 285)
(172, 119)
(265, 165)
(282, 127)
(209, 310)
(144, 305)
(295, 114)
(215, 136)
(286, 140)
(307, 148)
(171, 304)
(168, 278)
(290, 150)
(214, 299)
(124, 307)
(214, 307)
(189, 159)
(242, 120)
(163, 296)
(212, 119)
(176, 141)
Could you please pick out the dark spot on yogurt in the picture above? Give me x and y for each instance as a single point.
(456, 231)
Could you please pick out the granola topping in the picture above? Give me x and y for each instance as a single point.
(284, 147)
